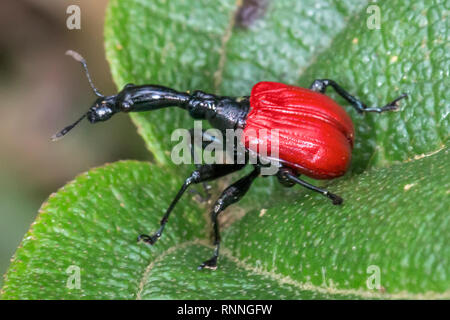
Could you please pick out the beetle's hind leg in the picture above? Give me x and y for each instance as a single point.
(230, 195)
(320, 85)
(288, 178)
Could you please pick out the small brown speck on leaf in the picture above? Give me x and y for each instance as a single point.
(249, 12)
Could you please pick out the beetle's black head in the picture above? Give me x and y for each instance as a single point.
(102, 109)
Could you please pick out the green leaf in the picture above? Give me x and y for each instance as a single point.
(168, 277)
(92, 223)
(291, 244)
(393, 218)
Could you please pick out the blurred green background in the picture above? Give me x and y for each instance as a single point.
(42, 90)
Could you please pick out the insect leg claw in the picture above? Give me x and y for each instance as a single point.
(335, 198)
(147, 239)
(209, 264)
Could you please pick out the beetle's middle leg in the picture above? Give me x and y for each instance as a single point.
(230, 195)
(288, 178)
(320, 85)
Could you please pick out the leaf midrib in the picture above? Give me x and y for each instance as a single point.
(283, 280)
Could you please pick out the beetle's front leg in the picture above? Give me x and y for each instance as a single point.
(320, 85)
(203, 173)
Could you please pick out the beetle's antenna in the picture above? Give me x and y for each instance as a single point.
(63, 132)
(80, 59)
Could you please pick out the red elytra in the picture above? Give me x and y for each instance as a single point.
(315, 134)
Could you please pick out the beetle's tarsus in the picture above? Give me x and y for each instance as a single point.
(393, 105)
(148, 239)
(337, 200)
(209, 264)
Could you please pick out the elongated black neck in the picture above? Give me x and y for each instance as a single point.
(150, 97)
(221, 111)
